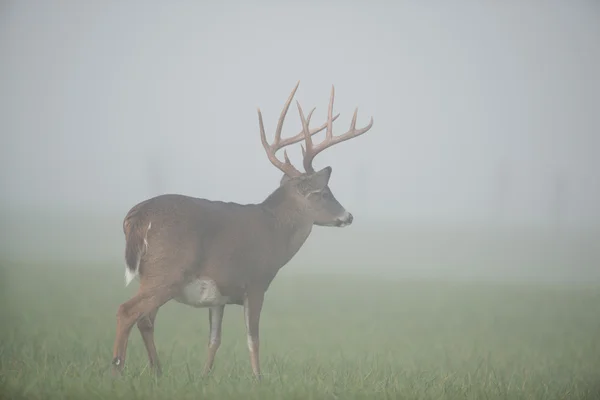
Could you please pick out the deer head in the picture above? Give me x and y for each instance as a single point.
(310, 189)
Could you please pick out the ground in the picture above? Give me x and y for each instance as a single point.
(322, 336)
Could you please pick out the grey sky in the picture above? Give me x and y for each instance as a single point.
(478, 108)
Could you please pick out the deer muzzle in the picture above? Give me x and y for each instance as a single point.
(345, 220)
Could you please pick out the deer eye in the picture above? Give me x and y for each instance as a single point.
(326, 195)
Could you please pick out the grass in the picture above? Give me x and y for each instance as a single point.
(321, 337)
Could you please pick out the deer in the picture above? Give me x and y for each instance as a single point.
(209, 254)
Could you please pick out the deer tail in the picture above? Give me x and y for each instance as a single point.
(136, 242)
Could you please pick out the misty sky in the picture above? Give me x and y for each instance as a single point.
(481, 110)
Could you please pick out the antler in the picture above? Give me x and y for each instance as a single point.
(312, 150)
(287, 167)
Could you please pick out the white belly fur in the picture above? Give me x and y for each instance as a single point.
(202, 293)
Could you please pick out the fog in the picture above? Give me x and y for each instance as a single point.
(482, 160)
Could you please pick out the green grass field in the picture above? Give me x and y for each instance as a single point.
(321, 337)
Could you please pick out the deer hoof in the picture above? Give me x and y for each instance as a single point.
(117, 367)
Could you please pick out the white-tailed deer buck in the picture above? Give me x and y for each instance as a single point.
(207, 253)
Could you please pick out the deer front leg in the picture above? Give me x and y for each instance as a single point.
(215, 320)
(252, 308)
(146, 327)
(139, 306)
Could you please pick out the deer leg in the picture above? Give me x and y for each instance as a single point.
(215, 319)
(146, 327)
(139, 306)
(252, 308)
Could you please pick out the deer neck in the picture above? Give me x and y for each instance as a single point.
(291, 220)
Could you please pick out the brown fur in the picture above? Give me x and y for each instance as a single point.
(135, 232)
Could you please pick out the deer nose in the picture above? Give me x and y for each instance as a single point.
(349, 219)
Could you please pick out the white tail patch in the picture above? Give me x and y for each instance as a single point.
(131, 275)
(146, 237)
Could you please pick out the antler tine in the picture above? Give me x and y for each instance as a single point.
(285, 167)
(330, 140)
(305, 130)
(284, 113)
(300, 136)
(278, 143)
(329, 134)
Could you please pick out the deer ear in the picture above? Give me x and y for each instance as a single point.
(319, 180)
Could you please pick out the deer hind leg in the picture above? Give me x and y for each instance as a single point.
(252, 308)
(215, 319)
(146, 327)
(147, 300)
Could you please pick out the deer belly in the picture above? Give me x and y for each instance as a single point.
(202, 293)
